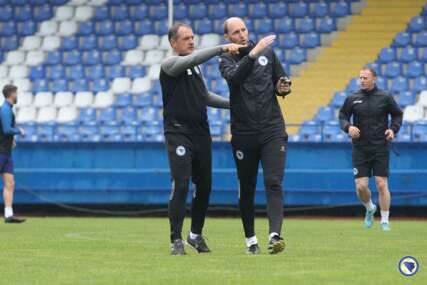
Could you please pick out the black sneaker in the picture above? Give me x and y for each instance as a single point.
(177, 247)
(199, 244)
(276, 245)
(253, 249)
(14, 220)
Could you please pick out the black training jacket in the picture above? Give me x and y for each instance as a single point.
(252, 84)
(370, 111)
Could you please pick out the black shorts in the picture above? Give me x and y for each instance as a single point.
(368, 161)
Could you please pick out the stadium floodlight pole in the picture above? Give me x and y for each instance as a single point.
(170, 13)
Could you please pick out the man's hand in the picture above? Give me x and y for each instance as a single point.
(13, 143)
(389, 134)
(232, 48)
(354, 132)
(21, 131)
(283, 86)
(261, 45)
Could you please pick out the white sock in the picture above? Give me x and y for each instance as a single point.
(250, 241)
(384, 216)
(272, 235)
(369, 205)
(193, 236)
(8, 212)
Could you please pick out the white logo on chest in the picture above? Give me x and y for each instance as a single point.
(358, 102)
(262, 60)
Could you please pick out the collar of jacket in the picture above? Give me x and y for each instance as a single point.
(370, 92)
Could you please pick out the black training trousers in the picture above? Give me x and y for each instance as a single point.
(248, 151)
(190, 156)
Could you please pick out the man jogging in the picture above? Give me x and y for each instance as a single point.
(371, 132)
(187, 134)
(255, 78)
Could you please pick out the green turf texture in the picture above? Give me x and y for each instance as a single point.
(136, 251)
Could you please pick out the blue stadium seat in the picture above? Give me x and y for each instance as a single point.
(417, 24)
(339, 9)
(423, 54)
(288, 41)
(104, 28)
(284, 25)
(110, 133)
(53, 58)
(216, 129)
(325, 114)
(212, 72)
(78, 85)
(198, 11)
(353, 85)
(310, 40)
(406, 98)
(118, 13)
(330, 131)
(420, 84)
(89, 133)
(7, 29)
(6, 14)
(30, 132)
(304, 25)
(26, 28)
(85, 28)
(88, 43)
(42, 13)
(218, 11)
(45, 132)
(298, 10)
(23, 13)
(419, 131)
(297, 56)
(399, 84)
(57, 2)
(87, 116)
(124, 28)
(107, 42)
(161, 27)
(158, 12)
(375, 66)
(204, 26)
(278, 10)
(75, 72)
(100, 85)
(135, 71)
(326, 25)
(387, 55)
(128, 133)
(408, 54)
(9, 43)
(144, 27)
(59, 85)
(238, 10)
(338, 99)
(140, 12)
(68, 43)
(129, 116)
(382, 83)
(127, 42)
(142, 100)
(263, 26)
(55, 71)
(151, 129)
(114, 71)
(101, 13)
(319, 9)
(95, 72)
(219, 86)
(111, 57)
(40, 85)
(37, 72)
(66, 133)
(107, 116)
(123, 100)
(71, 57)
(402, 39)
(393, 69)
(309, 128)
(421, 39)
(258, 10)
(415, 69)
(92, 57)
(148, 114)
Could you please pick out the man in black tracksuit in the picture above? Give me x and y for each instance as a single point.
(371, 133)
(255, 77)
(187, 134)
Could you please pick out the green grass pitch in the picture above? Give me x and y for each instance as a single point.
(136, 251)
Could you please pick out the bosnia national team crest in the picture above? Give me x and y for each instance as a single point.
(355, 171)
(180, 151)
(262, 60)
(408, 266)
(239, 155)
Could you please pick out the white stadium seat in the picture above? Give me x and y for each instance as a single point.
(15, 57)
(141, 84)
(154, 71)
(149, 42)
(43, 99)
(46, 115)
(23, 84)
(26, 115)
(422, 99)
(83, 99)
(31, 43)
(77, 2)
(96, 2)
(164, 43)
(18, 71)
(4, 71)
(413, 113)
(133, 57)
(103, 100)
(153, 57)
(120, 85)
(48, 28)
(67, 114)
(209, 40)
(64, 13)
(83, 13)
(67, 28)
(25, 99)
(51, 43)
(4, 81)
(34, 58)
(63, 99)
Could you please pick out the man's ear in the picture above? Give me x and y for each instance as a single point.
(226, 37)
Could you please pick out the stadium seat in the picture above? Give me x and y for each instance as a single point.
(387, 55)
(114, 71)
(91, 57)
(83, 99)
(85, 28)
(128, 133)
(421, 39)
(298, 10)
(143, 27)
(129, 116)
(123, 28)
(67, 114)
(43, 99)
(31, 43)
(45, 130)
(393, 69)
(15, 57)
(420, 84)
(106, 43)
(18, 71)
(107, 116)
(419, 131)
(413, 113)
(402, 39)
(111, 57)
(133, 57)
(103, 100)
(310, 40)
(26, 115)
(46, 115)
(297, 56)
(25, 99)
(149, 42)
(218, 11)
(258, 10)
(288, 41)
(67, 28)
(304, 25)
(417, 24)
(284, 25)
(399, 84)
(408, 54)
(75, 71)
(66, 132)
(318, 9)
(118, 13)
(48, 28)
(339, 9)
(238, 10)
(121, 85)
(83, 13)
(415, 69)
(127, 42)
(63, 99)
